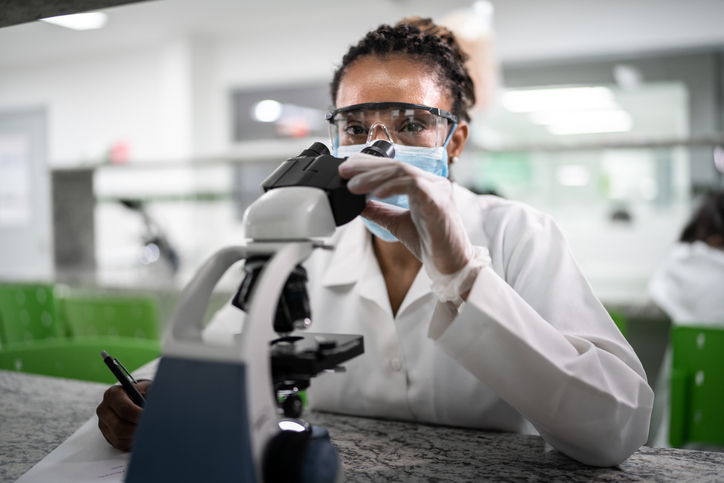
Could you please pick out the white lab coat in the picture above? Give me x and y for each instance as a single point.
(688, 286)
(531, 342)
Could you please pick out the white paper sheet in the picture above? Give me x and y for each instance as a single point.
(84, 457)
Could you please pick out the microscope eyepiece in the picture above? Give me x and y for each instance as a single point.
(380, 148)
(316, 149)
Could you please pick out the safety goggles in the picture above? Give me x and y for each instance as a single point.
(398, 122)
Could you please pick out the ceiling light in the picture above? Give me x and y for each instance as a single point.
(617, 116)
(267, 111)
(559, 99)
(602, 125)
(80, 21)
(583, 122)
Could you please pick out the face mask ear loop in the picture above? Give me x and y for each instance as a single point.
(444, 150)
(449, 136)
(333, 140)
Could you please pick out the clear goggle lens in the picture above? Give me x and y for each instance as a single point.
(404, 124)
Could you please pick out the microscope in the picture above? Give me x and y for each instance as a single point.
(214, 411)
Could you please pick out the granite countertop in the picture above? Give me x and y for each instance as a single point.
(38, 413)
(375, 450)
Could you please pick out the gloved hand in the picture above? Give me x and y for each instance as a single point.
(432, 229)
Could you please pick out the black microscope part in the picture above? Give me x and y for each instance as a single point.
(317, 168)
(293, 307)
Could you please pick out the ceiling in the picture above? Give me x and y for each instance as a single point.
(13, 12)
(526, 29)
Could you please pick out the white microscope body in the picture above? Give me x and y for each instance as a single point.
(211, 413)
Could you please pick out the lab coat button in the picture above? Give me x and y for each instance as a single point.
(396, 364)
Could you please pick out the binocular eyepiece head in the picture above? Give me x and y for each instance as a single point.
(380, 148)
(315, 167)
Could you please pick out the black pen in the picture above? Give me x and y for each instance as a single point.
(122, 375)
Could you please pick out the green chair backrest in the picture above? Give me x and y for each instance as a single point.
(28, 314)
(79, 358)
(118, 316)
(697, 386)
(620, 320)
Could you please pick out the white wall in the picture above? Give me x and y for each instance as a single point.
(160, 79)
(533, 29)
(93, 101)
(161, 75)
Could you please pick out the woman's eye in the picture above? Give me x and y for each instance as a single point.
(354, 130)
(412, 127)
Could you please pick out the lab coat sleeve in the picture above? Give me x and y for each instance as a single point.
(539, 338)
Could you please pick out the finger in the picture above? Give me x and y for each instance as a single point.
(358, 163)
(105, 432)
(404, 185)
(397, 221)
(122, 405)
(118, 433)
(122, 440)
(378, 209)
(369, 180)
(143, 386)
(420, 191)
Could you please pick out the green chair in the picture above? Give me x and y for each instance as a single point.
(79, 358)
(620, 320)
(117, 316)
(28, 314)
(697, 386)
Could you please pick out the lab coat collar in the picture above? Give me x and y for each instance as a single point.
(354, 261)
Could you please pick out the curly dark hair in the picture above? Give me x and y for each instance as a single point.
(423, 40)
(707, 224)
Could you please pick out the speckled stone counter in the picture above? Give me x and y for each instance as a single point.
(38, 413)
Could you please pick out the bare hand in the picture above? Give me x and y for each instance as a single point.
(118, 415)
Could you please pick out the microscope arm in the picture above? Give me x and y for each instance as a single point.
(229, 384)
(255, 337)
(252, 348)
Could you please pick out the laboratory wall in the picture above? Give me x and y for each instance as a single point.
(150, 111)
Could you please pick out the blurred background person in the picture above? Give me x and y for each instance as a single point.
(689, 287)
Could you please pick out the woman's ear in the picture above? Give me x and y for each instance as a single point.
(457, 142)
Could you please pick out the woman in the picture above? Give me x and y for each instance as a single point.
(478, 316)
(688, 284)
(688, 287)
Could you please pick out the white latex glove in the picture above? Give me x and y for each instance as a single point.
(432, 228)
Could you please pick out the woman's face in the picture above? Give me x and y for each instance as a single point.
(397, 79)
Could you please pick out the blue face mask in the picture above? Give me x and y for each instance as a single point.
(432, 160)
